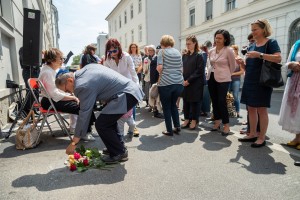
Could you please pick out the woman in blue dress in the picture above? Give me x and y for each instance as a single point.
(254, 95)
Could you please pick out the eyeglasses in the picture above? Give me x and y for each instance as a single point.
(113, 51)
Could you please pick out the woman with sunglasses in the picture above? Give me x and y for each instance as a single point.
(121, 62)
(62, 101)
(255, 96)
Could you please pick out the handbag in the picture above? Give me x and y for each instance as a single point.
(153, 92)
(270, 75)
(27, 136)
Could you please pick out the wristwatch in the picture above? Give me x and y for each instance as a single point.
(73, 144)
(261, 55)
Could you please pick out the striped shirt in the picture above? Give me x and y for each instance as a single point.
(172, 66)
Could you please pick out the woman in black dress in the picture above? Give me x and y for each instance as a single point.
(193, 69)
(254, 95)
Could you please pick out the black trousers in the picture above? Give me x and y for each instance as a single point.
(107, 128)
(67, 107)
(218, 92)
(191, 110)
(27, 73)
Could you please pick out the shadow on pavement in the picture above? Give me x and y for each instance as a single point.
(214, 141)
(148, 120)
(161, 142)
(62, 178)
(48, 143)
(258, 161)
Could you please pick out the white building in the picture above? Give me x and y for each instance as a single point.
(101, 42)
(203, 17)
(144, 21)
(11, 39)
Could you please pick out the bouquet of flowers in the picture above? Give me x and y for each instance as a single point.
(85, 158)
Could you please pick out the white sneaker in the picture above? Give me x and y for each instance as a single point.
(88, 137)
(94, 134)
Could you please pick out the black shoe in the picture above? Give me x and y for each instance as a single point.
(112, 160)
(185, 126)
(247, 139)
(297, 163)
(176, 130)
(224, 134)
(105, 151)
(255, 145)
(159, 115)
(167, 133)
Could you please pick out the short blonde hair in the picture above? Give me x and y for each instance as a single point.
(235, 47)
(167, 40)
(265, 25)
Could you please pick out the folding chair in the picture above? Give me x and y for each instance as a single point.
(35, 84)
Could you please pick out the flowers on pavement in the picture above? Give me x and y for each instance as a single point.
(85, 158)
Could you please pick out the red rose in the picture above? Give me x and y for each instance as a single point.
(86, 162)
(77, 156)
(73, 167)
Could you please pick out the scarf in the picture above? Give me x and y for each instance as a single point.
(294, 89)
(294, 53)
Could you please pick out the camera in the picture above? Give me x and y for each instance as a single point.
(244, 50)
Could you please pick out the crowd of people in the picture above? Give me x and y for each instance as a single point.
(162, 75)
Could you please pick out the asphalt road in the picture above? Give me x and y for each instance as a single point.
(194, 165)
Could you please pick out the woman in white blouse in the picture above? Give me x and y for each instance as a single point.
(62, 101)
(122, 62)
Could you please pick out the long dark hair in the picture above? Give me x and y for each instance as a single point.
(113, 43)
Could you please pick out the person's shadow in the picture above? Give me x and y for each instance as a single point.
(258, 161)
(62, 178)
(214, 141)
(160, 142)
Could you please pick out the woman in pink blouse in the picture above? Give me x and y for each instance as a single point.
(222, 62)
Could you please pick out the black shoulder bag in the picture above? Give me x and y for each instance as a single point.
(271, 73)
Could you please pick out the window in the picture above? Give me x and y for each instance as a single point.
(125, 17)
(126, 40)
(6, 11)
(140, 33)
(192, 17)
(230, 5)
(132, 36)
(209, 9)
(120, 40)
(140, 6)
(131, 11)
(120, 22)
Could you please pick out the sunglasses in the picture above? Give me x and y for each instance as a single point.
(113, 51)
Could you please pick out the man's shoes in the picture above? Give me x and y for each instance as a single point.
(136, 133)
(297, 163)
(114, 159)
(255, 145)
(88, 137)
(246, 139)
(105, 151)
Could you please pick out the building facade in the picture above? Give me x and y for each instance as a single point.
(144, 21)
(11, 39)
(203, 17)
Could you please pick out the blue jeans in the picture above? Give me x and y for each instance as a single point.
(168, 97)
(205, 107)
(234, 86)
